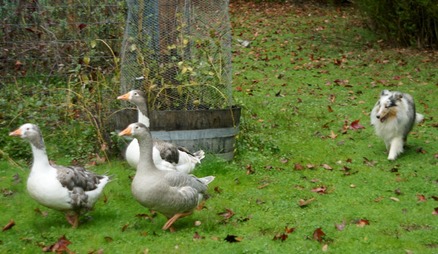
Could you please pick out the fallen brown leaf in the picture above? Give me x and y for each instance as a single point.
(362, 223)
(284, 160)
(280, 236)
(332, 98)
(298, 166)
(227, 214)
(394, 199)
(310, 166)
(288, 230)
(318, 234)
(42, 213)
(108, 239)
(217, 189)
(7, 192)
(421, 198)
(8, 226)
(333, 135)
(249, 169)
(369, 162)
(59, 247)
(99, 251)
(341, 226)
(355, 125)
(421, 150)
(326, 166)
(378, 199)
(303, 202)
(320, 190)
(196, 236)
(262, 186)
(125, 227)
(345, 168)
(329, 109)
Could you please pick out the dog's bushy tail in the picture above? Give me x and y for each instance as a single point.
(419, 118)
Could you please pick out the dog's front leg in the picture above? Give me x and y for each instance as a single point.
(396, 148)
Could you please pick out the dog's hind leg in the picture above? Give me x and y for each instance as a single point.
(388, 145)
(396, 148)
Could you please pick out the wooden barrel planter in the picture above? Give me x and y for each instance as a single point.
(213, 130)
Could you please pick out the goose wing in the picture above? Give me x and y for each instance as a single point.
(73, 177)
(168, 151)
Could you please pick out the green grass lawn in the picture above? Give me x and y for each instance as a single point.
(308, 73)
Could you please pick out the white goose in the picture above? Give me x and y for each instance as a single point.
(167, 156)
(72, 190)
(172, 193)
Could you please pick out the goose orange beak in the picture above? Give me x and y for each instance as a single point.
(124, 97)
(16, 133)
(126, 132)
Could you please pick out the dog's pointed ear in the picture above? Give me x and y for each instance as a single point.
(384, 93)
(398, 96)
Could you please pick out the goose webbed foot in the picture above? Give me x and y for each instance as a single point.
(174, 218)
(73, 219)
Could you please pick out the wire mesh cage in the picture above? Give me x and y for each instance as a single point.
(179, 52)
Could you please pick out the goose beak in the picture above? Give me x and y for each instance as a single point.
(126, 132)
(124, 97)
(16, 133)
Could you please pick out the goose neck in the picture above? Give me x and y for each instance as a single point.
(145, 162)
(40, 158)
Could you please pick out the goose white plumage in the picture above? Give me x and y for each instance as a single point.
(172, 193)
(72, 190)
(166, 156)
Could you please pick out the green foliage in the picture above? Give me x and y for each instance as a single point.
(307, 74)
(407, 23)
(82, 108)
(50, 37)
(191, 67)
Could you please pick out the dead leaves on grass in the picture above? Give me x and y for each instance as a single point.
(59, 247)
(362, 223)
(8, 226)
(282, 236)
(304, 203)
(227, 214)
(320, 190)
(318, 235)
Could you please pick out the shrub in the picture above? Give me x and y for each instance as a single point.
(406, 23)
(75, 116)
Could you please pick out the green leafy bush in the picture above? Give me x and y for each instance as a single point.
(406, 23)
(75, 116)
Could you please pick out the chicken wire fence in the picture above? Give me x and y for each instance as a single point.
(179, 52)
